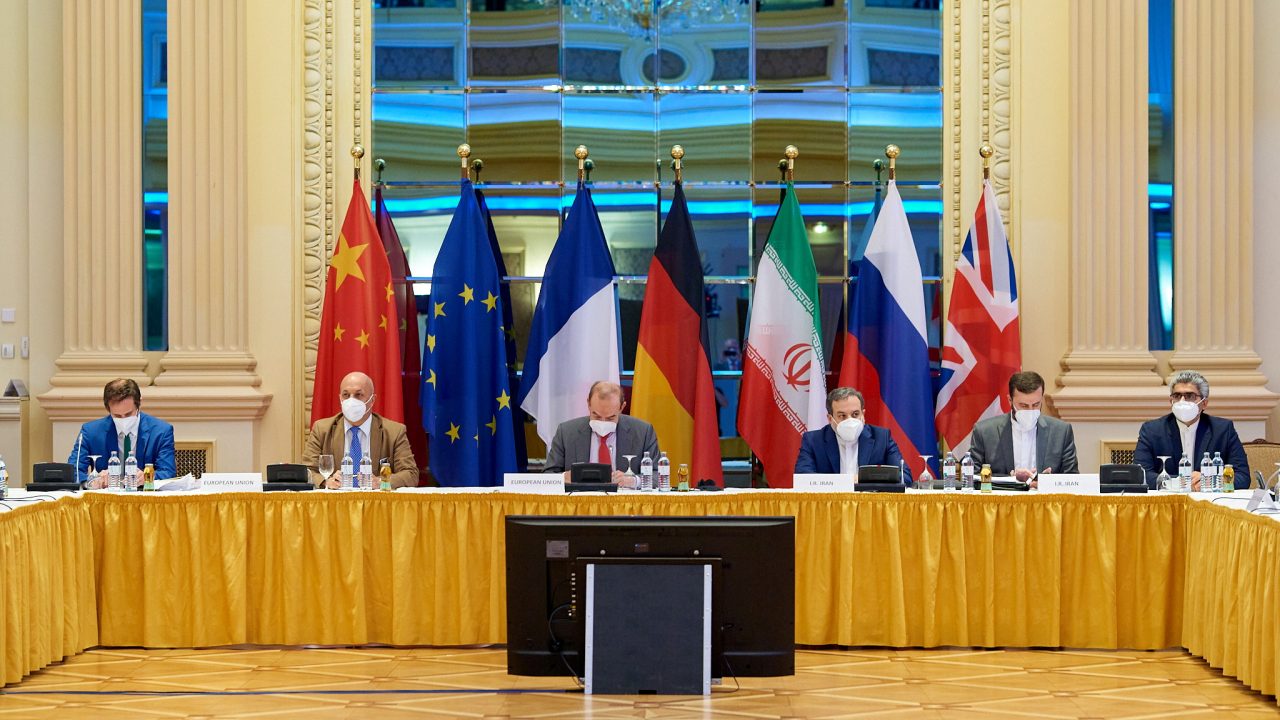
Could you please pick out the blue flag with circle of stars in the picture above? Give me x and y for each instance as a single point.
(466, 395)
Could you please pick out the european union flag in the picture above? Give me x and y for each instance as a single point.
(466, 392)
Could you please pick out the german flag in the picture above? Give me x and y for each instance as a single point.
(672, 387)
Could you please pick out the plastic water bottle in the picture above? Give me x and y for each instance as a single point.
(966, 472)
(664, 473)
(1206, 473)
(949, 468)
(348, 469)
(131, 472)
(366, 472)
(4, 479)
(1184, 474)
(1217, 475)
(645, 481)
(113, 471)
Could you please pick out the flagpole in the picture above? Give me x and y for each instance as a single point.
(464, 152)
(986, 151)
(892, 152)
(581, 153)
(379, 165)
(357, 152)
(792, 152)
(477, 165)
(677, 154)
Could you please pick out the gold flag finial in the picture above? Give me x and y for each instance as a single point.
(986, 151)
(791, 153)
(677, 156)
(357, 152)
(892, 152)
(581, 153)
(464, 152)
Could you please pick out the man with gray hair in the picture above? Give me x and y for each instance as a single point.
(605, 435)
(1189, 430)
(846, 442)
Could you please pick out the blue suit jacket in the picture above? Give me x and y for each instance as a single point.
(820, 450)
(1161, 437)
(98, 437)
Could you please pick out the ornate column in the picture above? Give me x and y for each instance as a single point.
(1213, 219)
(208, 375)
(102, 216)
(1108, 372)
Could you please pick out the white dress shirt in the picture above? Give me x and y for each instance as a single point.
(848, 456)
(1024, 447)
(610, 440)
(1188, 433)
(365, 428)
(133, 444)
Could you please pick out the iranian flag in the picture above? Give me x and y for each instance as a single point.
(783, 376)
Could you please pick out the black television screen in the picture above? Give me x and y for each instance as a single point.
(753, 614)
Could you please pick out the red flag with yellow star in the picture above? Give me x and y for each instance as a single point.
(359, 330)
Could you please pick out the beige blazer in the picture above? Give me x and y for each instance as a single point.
(387, 439)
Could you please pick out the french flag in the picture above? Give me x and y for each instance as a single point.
(574, 338)
(886, 350)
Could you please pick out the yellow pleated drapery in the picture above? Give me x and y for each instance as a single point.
(429, 569)
(47, 606)
(413, 569)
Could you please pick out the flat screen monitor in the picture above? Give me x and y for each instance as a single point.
(753, 615)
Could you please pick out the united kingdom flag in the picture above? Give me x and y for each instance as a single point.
(981, 346)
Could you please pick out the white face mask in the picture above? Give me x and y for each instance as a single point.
(1026, 419)
(849, 429)
(1186, 411)
(126, 425)
(603, 427)
(354, 409)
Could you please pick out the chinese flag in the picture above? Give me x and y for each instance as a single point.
(360, 329)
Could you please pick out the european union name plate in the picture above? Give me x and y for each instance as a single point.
(1083, 484)
(822, 482)
(231, 482)
(534, 483)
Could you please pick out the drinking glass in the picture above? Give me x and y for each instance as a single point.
(1162, 482)
(93, 465)
(925, 480)
(629, 477)
(326, 467)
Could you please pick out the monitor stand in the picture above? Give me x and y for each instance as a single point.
(648, 626)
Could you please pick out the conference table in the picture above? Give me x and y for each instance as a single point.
(426, 567)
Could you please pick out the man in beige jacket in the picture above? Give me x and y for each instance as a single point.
(358, 429)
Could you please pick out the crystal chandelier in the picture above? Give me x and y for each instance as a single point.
(639, 18)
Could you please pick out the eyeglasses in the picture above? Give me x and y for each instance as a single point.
(1188, 396)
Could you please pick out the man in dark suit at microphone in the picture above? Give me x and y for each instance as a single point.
(847, 443)
(125, 429)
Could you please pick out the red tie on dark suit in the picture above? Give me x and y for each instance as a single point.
(603, 455)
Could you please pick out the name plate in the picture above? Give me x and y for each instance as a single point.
(1083, 484)
(231, 482)
(822, 482)
(1261, 499)
(534, 483)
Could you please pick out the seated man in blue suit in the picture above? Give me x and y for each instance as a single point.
(847, 443)
(1191, 431)
(124, 429)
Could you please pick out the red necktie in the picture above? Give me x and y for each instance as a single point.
(603, 455)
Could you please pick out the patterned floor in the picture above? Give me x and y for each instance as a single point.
(319, 684)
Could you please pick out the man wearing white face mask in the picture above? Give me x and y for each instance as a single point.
(846, 442)
(1025, 443)
(1189, 430)
(125, 429)
(605, 435)
(359, 430)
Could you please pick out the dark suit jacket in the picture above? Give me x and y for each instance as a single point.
(992, 444)
(820, 450)
(1162, 437)
(387, 439)
(572, 443)
(155, 446)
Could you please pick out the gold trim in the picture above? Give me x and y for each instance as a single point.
(954, 62)
(318, 180)
(997, 85)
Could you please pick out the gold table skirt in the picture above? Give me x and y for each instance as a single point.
(428, 569)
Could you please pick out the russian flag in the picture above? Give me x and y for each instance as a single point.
(574, 338)
(886, 352)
